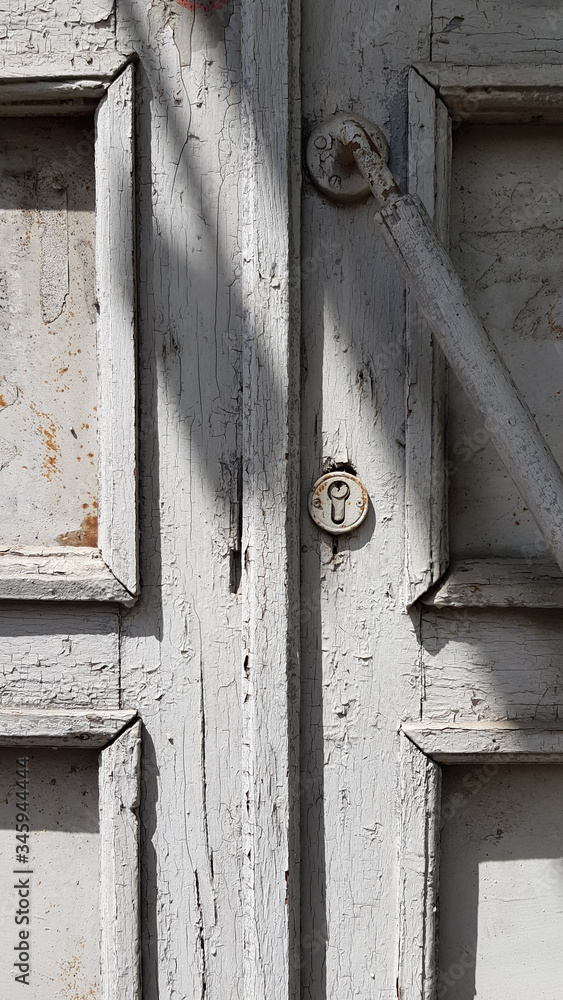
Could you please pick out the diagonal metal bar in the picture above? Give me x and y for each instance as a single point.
(470, 352)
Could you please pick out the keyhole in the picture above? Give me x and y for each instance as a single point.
(338, 493)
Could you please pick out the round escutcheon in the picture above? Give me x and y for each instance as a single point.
(332, 166)
(338, 502)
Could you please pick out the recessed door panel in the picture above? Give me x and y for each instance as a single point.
(49, 874)
(48, 365)
(507, 243)
(501, 882)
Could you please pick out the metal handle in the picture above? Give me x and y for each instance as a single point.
(428, 270)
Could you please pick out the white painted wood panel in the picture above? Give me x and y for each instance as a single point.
(75, 574)
(482, 664)
(507, 92)
(48, 385)
(469, 32)
(501, 906)
(180, 659)
(60, 657)
(54, 881)
(506, 244)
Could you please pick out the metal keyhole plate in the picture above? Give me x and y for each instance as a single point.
(338, 502)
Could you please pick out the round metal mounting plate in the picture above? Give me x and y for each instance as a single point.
(338, 502)
(332, 168)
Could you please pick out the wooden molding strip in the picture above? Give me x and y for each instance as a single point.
(119, 868)
(87, 728)
(426, 518)
(490, 94)
(482, 583)
(61, 574)
(507, 742)
(115, 279)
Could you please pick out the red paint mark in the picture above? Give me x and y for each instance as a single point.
(85, 535)
(206, 5)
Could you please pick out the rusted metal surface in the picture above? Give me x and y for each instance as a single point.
(48, 368)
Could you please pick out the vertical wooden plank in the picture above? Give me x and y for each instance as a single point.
(270, 34)
(119, 866)
(360, 669)
(426, 529)
(420, 779)
(115, 278)
(181, 662)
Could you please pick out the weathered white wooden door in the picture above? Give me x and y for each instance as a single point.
(430, 746)
(191, 336)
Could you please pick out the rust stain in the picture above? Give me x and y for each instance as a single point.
(556, 328)
(2, 401)
(71, 972)
(53, 452)
(85, 535)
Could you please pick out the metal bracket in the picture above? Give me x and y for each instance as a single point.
(332, 164)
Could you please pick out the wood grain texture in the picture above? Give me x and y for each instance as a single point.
(420, 784)
(115, 279)
(119, 866)
(426, 525)
(484, 664)
(522, 31)
(53, 728)
(270, 592)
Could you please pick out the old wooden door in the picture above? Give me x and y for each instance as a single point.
(349, 781)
